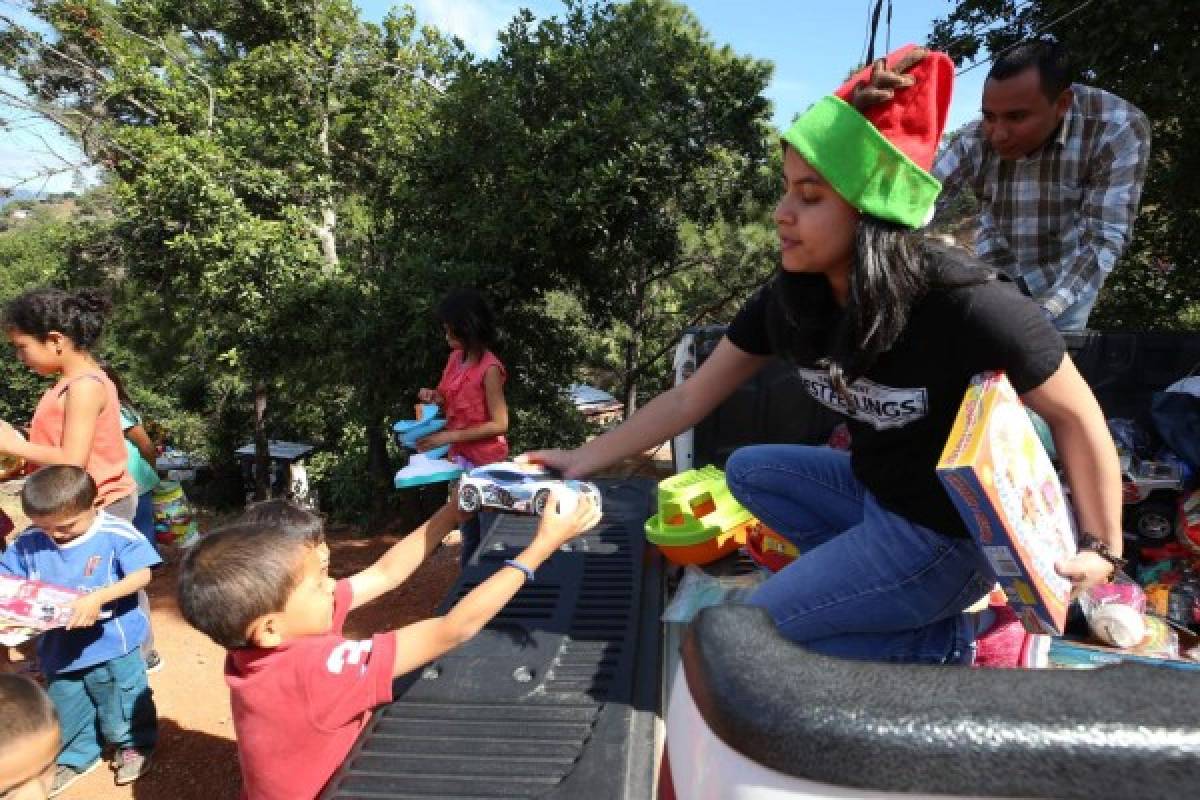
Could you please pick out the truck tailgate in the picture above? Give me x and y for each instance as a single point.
(555, 698)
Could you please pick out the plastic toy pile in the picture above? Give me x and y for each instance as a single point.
(1162, 522)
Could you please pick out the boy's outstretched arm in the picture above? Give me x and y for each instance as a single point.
(402, 559)
(423, 641)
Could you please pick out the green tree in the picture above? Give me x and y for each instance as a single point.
(220, 125)
(593, 155)
(1144, 55)
(33, 254)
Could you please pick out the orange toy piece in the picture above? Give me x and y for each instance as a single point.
(698, 520)
(768, 549)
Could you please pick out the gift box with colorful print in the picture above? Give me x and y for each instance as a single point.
(1007, 491)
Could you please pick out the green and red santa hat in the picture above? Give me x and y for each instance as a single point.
(879, 158)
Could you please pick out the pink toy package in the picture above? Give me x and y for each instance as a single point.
(1008, 494)
(29, 607)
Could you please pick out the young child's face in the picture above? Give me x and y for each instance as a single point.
(27, 766)
(62, 528)
(309, 608)
(35, 354)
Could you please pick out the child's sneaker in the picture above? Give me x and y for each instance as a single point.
(64, 776)
(131, 764)
(1005, 642)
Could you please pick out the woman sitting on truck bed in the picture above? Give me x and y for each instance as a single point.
(887, 328)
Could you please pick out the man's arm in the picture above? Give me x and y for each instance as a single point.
(401, 560)
(1113, 189)
(954, 166)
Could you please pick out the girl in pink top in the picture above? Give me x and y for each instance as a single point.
(78, 420)
(471, 393)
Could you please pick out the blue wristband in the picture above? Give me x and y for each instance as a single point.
(517, 565)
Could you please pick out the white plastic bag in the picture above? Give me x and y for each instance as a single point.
(699, 590)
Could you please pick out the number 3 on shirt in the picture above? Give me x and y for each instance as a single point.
(349, 652)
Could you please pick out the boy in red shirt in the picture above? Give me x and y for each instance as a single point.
(300, 691)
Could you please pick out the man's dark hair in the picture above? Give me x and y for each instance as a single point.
(1048, 57)
(244, 571)
(469, 318)
(25, 709)
(58, 490)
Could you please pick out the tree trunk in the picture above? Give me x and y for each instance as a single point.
(379, 470)
(262, 453)
(633, 345)
(325, 231)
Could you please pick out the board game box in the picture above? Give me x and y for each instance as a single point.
(29, 607)
(1008, 493)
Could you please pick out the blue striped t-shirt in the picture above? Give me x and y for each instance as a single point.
(110, 550)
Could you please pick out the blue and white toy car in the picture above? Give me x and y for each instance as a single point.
(508, 486)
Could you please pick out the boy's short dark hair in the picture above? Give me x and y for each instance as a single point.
(245, 570)
(289, 515)
(57, 490)
(25, 709)
(1050, 59)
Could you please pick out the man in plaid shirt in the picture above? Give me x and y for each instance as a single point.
(1058, 170)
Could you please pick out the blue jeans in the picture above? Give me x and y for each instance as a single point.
(472, 536)
(109, 702)
(143, 517)
(869, 584)
(1075, 318)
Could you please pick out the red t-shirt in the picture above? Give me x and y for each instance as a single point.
(298, 709)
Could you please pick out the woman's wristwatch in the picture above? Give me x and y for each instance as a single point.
(1093, 544)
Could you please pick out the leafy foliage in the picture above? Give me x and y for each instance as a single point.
(577, 159)
(290, 190)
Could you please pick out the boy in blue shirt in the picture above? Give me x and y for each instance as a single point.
(94, 668)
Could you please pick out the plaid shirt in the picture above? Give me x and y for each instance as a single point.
(1058, 219)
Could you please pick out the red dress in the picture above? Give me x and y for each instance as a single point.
(465, 398)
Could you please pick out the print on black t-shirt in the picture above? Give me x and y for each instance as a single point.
(880, 406)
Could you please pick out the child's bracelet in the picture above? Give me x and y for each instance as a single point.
(517, 565)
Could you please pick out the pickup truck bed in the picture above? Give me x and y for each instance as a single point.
(556, 698)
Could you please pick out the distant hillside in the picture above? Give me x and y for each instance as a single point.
(19, 194)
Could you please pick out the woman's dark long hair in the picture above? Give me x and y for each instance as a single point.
(893, 268)
(887, 278)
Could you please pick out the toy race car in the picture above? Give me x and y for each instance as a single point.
(508, 486)
(1150, 492)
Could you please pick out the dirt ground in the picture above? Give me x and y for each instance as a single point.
(196, 758)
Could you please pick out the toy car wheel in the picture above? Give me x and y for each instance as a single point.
(469, 499)
(1154, 521)
(539, 501)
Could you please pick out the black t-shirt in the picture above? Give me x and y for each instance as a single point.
(906, 402)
